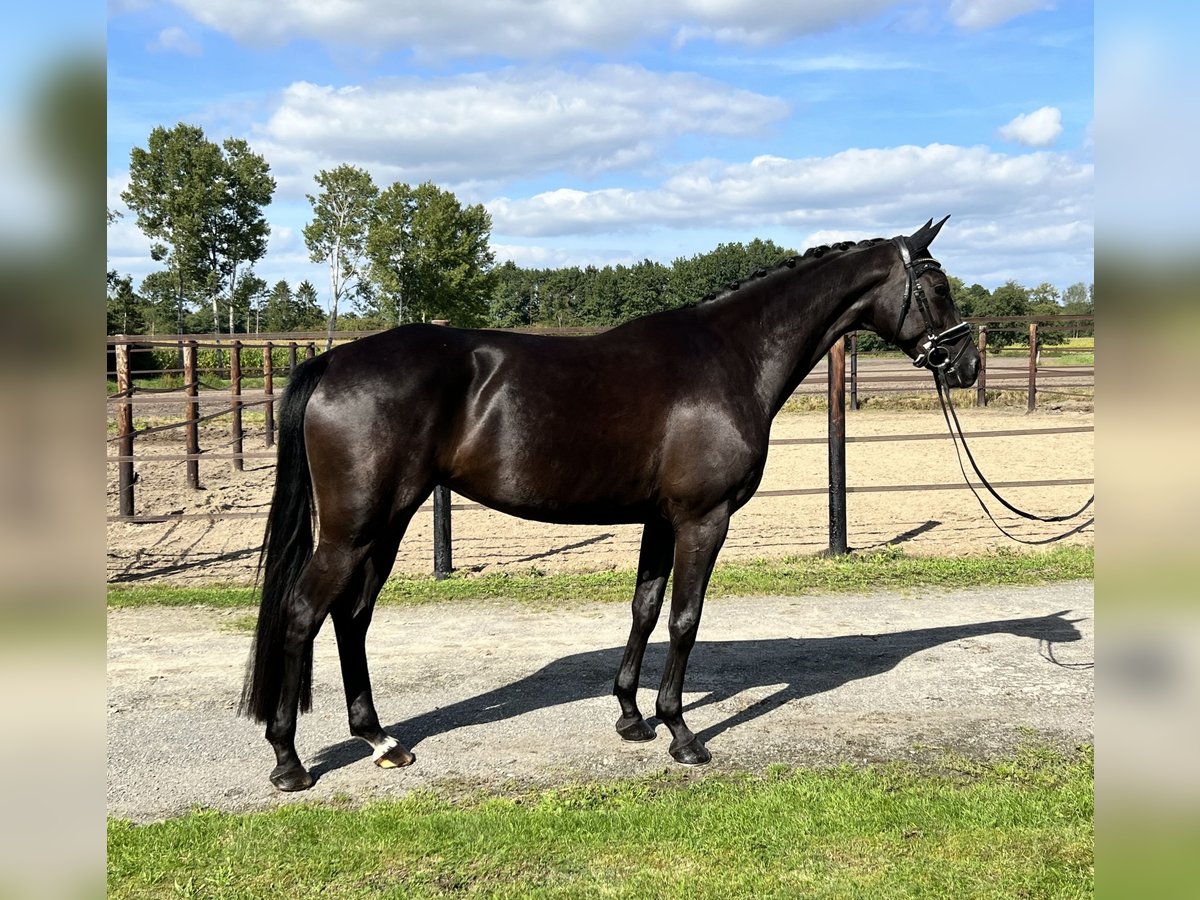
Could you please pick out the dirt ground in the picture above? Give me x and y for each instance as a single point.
(922, 522)
(493, 696)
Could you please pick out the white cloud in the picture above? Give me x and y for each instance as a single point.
(174, 40)
(116, 7)
(532, 256)
(860, 190)
(834, 62)
(1026, 216)
(975, 15)
(513, 123)
(754, 22)
(114, 187)
(1039, 128)
(523, 29)
(126, 246)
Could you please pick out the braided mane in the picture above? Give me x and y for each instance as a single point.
(788, 263)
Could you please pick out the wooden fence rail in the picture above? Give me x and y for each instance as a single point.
(237, 400)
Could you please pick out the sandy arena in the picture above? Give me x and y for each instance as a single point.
(922, 522)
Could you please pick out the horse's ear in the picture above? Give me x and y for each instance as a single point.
(923, 236)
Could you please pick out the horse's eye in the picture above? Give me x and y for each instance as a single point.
(941, 290)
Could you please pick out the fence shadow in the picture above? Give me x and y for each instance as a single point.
(129, 574)
(578, 545)
(904, 536)
(722, 669)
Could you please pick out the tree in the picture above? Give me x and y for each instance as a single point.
(430, 256)
(202, 207)
(124, 308)
(1010, 299)
(511, 301)
(1077, 301)
(246, 302)
(967, 300)
(558, 296)
(337, 235)
(174, 188)
(1045, 297)
(278, 314)
(238, 233)
(160, 297)
(308, 313)
(642, 288)
(691, 279)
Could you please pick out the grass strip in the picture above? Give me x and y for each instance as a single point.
(1019, 827)
(794, 576)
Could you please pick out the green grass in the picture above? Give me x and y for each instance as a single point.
(212, 381)
(1019, 827)
(1068, 359)
(860, 572)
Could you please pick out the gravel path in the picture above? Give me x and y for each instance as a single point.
(492, 693)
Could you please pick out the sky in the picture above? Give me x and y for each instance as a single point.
(610, 131)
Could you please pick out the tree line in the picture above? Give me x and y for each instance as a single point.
(406, 254)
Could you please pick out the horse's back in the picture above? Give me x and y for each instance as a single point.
(573, 429)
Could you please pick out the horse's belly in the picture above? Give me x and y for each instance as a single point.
(559, 492)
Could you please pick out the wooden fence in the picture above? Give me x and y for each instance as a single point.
(886, 376)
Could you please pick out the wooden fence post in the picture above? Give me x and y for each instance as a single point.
(981, 381)
(269, 390)
(124, 431)
(291, 358)
(310, 351)
(443, 552)
(854, 370)
(235, 403)
(191, 413)
(837, 449)
(1031, 405)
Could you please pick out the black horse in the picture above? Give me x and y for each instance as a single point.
(662, 421)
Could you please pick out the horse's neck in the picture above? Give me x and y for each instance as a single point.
(788, 322)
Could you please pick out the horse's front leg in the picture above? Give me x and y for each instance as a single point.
(654, 567)
(696, 546)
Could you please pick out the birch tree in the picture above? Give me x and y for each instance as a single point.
(337, 234)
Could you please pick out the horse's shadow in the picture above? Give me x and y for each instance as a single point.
(721, 669)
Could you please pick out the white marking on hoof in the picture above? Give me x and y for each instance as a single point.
(381, 749)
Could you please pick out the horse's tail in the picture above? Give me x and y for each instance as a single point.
(287, 548)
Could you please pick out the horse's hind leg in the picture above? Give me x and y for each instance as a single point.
(332, 574)
(654, 567)
(351, 619)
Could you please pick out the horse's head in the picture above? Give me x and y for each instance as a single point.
(1054, 628)
(914, 311)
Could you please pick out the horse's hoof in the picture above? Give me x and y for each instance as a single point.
(396, 758)
(693, 753)
(291, 778)
(635, 730)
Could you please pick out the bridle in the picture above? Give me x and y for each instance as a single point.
(933, 352)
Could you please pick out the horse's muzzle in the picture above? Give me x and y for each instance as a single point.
(964, 371)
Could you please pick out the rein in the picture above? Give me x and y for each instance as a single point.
(957, 437)
(934, 355)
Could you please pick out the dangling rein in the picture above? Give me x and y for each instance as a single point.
(948, 412)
